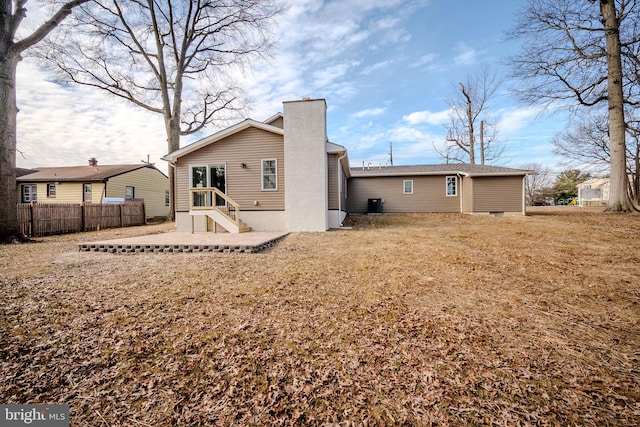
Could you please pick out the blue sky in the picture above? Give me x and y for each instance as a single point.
(385, 67)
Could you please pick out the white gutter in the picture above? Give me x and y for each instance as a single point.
(174, 190)
(524, 195)
(460, 193)
(373, 173)
(340, 189)
(408, 173)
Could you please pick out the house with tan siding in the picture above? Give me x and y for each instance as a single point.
(96, 183)
(280, 174)
(463, 188)
(285, 174)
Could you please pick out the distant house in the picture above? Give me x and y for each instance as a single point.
(284, 174)
(96, 183)
(594, 192)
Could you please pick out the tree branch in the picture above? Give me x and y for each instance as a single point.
(45, 28)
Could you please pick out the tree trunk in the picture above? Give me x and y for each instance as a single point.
(8, 193)
(636, 175)
(173, 143)
(618, 195)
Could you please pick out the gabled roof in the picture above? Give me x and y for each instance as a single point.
(443, 169)
(238, 127)
(80, 173)
(273, 118)
(334, 148)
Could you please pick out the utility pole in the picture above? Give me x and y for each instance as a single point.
(391, 153)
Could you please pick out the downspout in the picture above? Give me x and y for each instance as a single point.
(340, 189)
(460, 192)
(173, 194)
(524, 198)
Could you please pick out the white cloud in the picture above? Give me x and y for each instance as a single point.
(467, 55)
(329, 75)
(369, 112)
(514, 120)
(427, 59)
(420, 117)
(403, 133)
(376, 67)
(66, 125)
(358, 54)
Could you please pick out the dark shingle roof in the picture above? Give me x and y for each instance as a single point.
(79, 173)
(443, 169)
(22, 171)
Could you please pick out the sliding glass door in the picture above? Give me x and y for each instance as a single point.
(208, 176)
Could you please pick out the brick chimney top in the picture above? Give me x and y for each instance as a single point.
(93, 162)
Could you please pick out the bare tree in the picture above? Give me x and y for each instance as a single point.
(572, 54)
(175, 58)
(470, 126)
(448, 150)
(12, 14)
(586, 143)
(536, 182)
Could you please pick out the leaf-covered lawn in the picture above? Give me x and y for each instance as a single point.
(406, 319)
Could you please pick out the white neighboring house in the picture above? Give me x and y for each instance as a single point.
(594, 192)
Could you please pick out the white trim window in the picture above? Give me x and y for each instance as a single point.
(407, 186)
(87, 193)
(198, 176)
(51, 191)
(129, 192)
(29, 193)
(452, 186)
(269, 174)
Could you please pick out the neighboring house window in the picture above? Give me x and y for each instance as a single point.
(29, 193)
(51, 191)
(129, 192)
(407, 186)
(86, 192)
(452, 186)
(269, 175)
(166, 198)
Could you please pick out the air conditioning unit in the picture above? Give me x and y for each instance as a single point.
(374, 206)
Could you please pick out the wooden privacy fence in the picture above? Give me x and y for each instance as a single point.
(41, 219)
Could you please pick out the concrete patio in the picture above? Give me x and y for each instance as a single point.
(174, 241)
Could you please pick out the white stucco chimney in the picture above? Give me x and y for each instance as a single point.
(305, 165)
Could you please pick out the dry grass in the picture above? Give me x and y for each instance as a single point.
(413, 319)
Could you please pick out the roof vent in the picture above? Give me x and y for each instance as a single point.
(93, 162)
